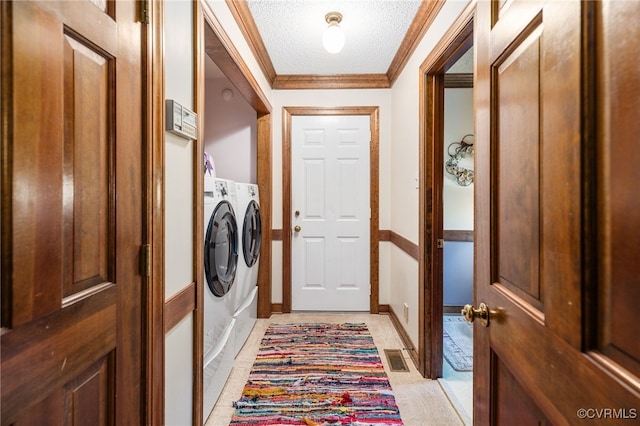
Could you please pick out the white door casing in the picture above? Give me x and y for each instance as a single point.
(331, 205)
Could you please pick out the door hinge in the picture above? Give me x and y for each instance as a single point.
(145, 260)
(440, 243)
(144, 11)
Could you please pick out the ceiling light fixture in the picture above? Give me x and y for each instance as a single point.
(333, 37)
(227, 94)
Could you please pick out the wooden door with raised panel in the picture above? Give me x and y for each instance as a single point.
(71, 213)
(557, 218)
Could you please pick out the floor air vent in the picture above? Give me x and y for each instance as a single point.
(396, 360)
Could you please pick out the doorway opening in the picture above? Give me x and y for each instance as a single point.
(222, 62)
(331, 198)
(458, 224)
(446, 213)
(287, 210)
(215, 54)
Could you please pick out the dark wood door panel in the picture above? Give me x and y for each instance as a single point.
(536, 162)
(89, 398)
(618, 329)
(71, 213)
(48, 353)
(559, 379)
(49, 411)
(88, 165)
(562, 172)
(516, 162)
(98, 24)
(63, 114)
(510, 24)
(85, 400)
(557, 264)
(32, 283)
(512, 404)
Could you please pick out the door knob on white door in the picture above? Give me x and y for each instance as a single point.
(297, 228)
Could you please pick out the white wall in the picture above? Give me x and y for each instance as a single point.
(178, 198)
(458, 201)
(177, 372)
(328, 98)
(458, 122)
(178, 151)
(230, 132)
(404, 167)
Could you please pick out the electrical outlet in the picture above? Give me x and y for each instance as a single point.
(406, 312)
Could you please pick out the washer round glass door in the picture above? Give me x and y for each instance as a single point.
(221, 249)
(251, 234)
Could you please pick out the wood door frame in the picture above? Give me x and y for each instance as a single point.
(451, 47)
(374, 184)
(153, 233)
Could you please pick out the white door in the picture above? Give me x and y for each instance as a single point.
(331, 212)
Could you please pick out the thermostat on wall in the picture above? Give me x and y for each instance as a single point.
(180, 120)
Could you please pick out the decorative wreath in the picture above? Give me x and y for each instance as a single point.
(457, 151)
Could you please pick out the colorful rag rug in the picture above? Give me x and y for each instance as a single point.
(317, 374)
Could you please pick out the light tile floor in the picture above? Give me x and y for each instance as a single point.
(422, 402)
(458, 385)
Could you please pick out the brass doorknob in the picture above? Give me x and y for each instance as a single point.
(483, 313)
(297, 228)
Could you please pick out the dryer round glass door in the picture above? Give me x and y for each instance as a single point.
(221, 249)
(251, 234)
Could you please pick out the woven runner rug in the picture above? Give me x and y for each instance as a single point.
(317, 374)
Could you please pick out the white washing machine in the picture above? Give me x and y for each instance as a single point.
(250, 222)
(221, 256)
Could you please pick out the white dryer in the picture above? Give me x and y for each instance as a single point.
(221, 255)
(250, 222)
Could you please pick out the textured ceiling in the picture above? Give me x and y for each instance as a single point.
(292, 34)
